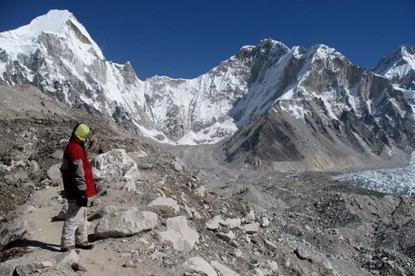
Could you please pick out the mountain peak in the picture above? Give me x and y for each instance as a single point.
(52, 22)
(268, 43)
(408, 54)
(398, 64)
(61, 23)
(323, 51)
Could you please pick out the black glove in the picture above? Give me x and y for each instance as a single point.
(82, 199)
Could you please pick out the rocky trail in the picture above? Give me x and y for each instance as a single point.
(160, 212)
(43, 247)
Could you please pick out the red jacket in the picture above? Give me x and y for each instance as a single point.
(76, 170)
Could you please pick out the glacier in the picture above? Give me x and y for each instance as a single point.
(391, 181)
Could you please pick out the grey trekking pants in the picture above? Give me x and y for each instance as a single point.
(74, 229)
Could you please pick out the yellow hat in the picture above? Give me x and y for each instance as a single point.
(81, 132)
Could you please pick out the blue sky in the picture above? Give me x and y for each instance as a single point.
(187, 38)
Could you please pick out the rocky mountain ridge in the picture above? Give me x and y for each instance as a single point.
(336, 112)
(320, 100)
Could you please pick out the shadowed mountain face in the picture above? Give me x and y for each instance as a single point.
(267, 138)
(281, 104)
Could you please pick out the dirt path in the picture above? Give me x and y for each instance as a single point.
(109, 257)
(43, 229)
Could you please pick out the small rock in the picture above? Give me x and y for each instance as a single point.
(234, 243)
(214, 223)
(58, 154)
(178, 165)
(33, 167)
(189, 213)
(258, 272)
(78, 267)
(27, 208)
(294, 230)
(250, 216)
(233, 222)
(238, 253)
(197, 215)
(270, 245)
(201, 191)
(226, 236)
(128, 263)
(326, 263)
(287, 263)
(129, 186)
(273, 266)
(165, 201)
(264, 222)
(67, 258)
(251, 228)
(302, 254)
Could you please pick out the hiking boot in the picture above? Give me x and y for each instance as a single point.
(85, 245)
(68, 249)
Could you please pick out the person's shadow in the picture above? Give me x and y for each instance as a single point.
(25, 243)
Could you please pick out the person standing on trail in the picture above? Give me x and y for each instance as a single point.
(79, 185)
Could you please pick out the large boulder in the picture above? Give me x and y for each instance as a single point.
(178, 242)
(125, 223)
(200, 266)
(54, 172)
(115, 165)
(179, 224)
(13, 231)
(182, 237)
(105, 211)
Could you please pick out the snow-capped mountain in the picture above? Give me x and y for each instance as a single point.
(274, 103)
(399, 67)
(320, 109)
(55, 53)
